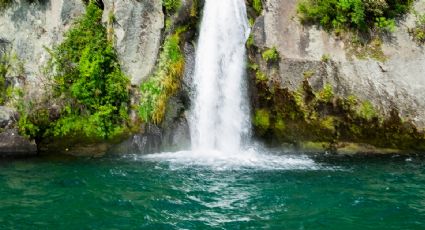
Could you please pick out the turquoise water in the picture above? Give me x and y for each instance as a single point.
(136, 192)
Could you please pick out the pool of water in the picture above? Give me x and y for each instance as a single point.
(187, 191)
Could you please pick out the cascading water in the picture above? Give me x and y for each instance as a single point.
(220, 120)
(220, 117)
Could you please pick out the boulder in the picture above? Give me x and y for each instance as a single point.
(14, 145)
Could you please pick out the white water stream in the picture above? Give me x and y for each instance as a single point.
(220, 117)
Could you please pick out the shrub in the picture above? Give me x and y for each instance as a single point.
(270, 55)
(91, 90)
(164, 82)
(355, 14)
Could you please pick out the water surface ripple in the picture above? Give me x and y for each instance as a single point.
(152, 193)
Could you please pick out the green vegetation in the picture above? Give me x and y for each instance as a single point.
(250, 41)
(270, 55)
(326, 94)
(257, 5)
(90, 93)
(262, 119)
(171, 5)
(10, 66)
(418, 32)
(360, 15)
(3, 72)
(308, 74)
(321, 116)
(326, 58)
(367, 111)
(164, 82)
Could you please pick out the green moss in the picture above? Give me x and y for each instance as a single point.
(367, 111)
(270, 55)
(311, 146)
(250, 41)
(279, 125)
(328, 123)
(171, 5)
(326, 58)
(164, 82)
(309, 74)
(262, 119)
(326, 94)
(304, 116)
(260, 76)
(257, 5)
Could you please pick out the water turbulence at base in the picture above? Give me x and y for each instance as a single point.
(220, 120)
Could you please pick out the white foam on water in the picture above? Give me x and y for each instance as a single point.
(221, 161)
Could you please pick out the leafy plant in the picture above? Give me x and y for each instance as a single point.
(164, 82)
(270, 55)
(89, 89)
(171, 5)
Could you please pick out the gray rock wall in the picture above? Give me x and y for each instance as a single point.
(137, 28)
(30, 28)
(398, 82)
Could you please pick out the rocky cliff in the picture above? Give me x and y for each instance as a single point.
(380, 82)
(310, 89)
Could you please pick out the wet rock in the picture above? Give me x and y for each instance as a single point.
(14, 145)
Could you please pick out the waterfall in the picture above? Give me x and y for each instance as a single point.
(220, 115)
(220, 121)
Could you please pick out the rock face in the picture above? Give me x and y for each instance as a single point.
(11, 143)
(396, 83)
(320, 95)
(14, 145)
(29, 28)
(137, 27)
